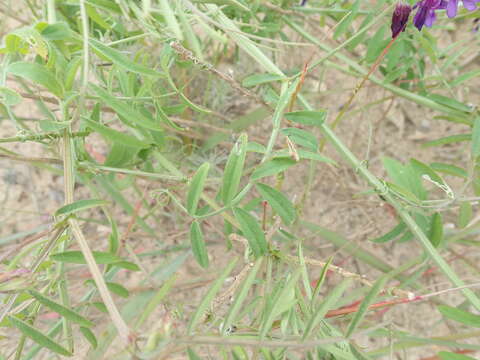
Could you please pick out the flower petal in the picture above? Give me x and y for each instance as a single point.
(470, 4)
(400, 18)
(420, 17)
(452, 7)
(430, 19)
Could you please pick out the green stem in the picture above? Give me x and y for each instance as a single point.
(345, 152)
(84, 17)
(421, 100)
(360, 85)
(40, 137)
(21, 345)
(69, 181)
(381, 188)
(51, 15)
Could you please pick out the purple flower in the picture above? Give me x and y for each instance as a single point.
(400, 18)
(426, 12)
(452, 6)
(425, 15)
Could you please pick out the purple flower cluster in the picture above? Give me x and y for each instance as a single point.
(425, 15)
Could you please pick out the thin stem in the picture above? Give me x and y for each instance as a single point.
(84, 18)
(21, 345)
(360, 85)
(345, 152)
(40, 258)
(69, 181)
(51, 16)
(351, 64)
(147, 6)
(292, 343)
(381, 188)
(354, 308)
(40, 137)
(117, 319)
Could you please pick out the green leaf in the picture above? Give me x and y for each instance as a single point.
(253, 146)
(79, 205)
(14, 43)
(367, 301)
(449, 140)
(258, 79)
(127, 265)
(307, 117)
(60, 309)
(392, 234)
(90, 336)
(233, 170)
(252, 232)
(71, 72)
(107, 5)
(436, 230)
(272, 167)
(117, 289)
(278, 202)
(76, 257)
(449, 169)
(459, 315)
(9, 97)
(121, 60)
(330, 300)
(125, 110)
(196, 188)
(320, 281)
(444, 355)
(209, 296)
(96, 17)
(120, 155)
(465, 214)
(38, 337)
(116, 136)
(282, 300)
(302, 137)
(170, 20)
(465, 77)
(476, 138)
(156, 300)
(451, 103)
(427, 44)
(113, 287)
(424, 169)
(406, 178)
(52, 126)
(403, 193)
(343, 25)
(162, 116)
(192, 355)
(304, 154)
(57, 31)
(100, 306)
(240, 296)
(38, 74)
(198, 245)
(376, 45)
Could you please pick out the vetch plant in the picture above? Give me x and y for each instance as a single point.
(210, 155)
(400, 17)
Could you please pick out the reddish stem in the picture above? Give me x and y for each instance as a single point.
(359, 86)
